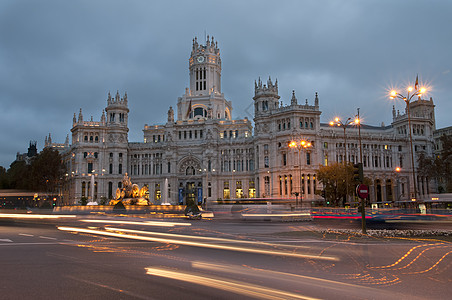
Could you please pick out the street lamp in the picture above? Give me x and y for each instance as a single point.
(397, 171)
(300, 146)
(337, 122)
(412, 92)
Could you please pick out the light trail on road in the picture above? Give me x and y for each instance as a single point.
(146, 223)
(33, 216)
(250, 290)
(298, 280)
(202, 245)
(221, 240)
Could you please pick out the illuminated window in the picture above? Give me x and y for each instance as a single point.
(251, 189)
(158, 193)
(226, 192)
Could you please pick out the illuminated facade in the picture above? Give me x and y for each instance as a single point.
(201, 152)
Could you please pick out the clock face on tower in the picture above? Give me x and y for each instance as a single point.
(200, 59)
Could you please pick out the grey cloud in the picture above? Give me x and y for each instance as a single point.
(58, 56)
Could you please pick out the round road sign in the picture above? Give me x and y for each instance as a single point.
(362, 190)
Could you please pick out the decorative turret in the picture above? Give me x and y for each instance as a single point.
(265, 96)
(80, 116)
(170, 115)
(102, 118)
(293, 101)
(74, 120)
(316, 101)
(117, 110)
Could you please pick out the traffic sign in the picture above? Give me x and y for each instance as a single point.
(362, 190)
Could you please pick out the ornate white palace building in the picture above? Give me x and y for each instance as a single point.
(201, 152)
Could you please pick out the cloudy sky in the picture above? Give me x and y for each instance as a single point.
(59, 56)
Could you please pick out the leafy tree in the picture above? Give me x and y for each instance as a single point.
(337, 179)
(338, 182)
(47, 170)
(446, 161)
(438, 168)
(3, 178)
(18, 176)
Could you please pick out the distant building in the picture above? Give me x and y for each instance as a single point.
(32, 151)
(201, 152)
(447, 131)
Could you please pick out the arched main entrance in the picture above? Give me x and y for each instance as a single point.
(190, 181)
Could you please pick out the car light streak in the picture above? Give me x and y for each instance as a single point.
(31, 216)
(403, 257)
(287, 277)
(250, 290)
(203, 245)
(146, 223)
(433, 266)
(277, 215)
(416, 258)
(223, 240)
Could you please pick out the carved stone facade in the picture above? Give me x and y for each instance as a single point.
(204, 153)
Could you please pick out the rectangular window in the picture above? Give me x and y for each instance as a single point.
(284, 159)
(238, 189)
(226, 192)
(90, 167)
(158, 193)
(266, 162)
(308, 158)
(251, 189)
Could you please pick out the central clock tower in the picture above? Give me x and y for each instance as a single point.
(205, 68)
(203, 98)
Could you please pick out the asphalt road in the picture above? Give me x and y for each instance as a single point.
(141, 258)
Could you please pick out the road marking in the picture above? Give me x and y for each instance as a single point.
(121, 291)
(20, 244)
(6, 240)
(47, 238)
(26, 234)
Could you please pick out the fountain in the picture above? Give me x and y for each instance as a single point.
(92, 202)
(131, 194)
(165, 193)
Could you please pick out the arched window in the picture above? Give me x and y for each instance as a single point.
(199, 111)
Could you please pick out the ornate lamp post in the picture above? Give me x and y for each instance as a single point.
(337, 122)
(412, 92)
(300, 146)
